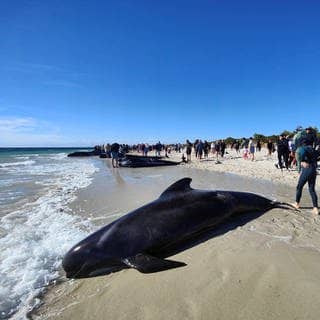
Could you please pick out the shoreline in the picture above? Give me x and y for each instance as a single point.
(245, 273)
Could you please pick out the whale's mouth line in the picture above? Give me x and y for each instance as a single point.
(95, 273)
(73, 275)
(81, 272)
(95, 270)
(106, 270)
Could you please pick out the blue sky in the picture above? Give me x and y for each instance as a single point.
(75, 73)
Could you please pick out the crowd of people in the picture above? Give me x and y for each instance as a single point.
(298, 152)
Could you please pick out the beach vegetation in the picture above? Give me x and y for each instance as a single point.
(229, 140)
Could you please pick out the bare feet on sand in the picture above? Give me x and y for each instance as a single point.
(296, 205)
(315, 210)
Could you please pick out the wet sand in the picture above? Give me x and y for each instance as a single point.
(266, 268)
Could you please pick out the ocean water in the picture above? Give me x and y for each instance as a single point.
(36, 225)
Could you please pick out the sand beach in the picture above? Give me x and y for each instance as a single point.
(266, 268)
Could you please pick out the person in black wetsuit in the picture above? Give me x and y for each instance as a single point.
(308, 174)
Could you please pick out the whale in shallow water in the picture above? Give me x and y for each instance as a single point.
(143, 238)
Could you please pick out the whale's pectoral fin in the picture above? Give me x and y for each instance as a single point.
(148, 264)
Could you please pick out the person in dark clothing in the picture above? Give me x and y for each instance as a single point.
(188, 151)
(158, 148)
(308, 174)
(310, 137)
(283, 152)
(206, 148)
(115, 154)
(259, 145)
(245, 143)
(195, 146)
(237, 146)
(199, 149)
(166, 150)
(222, 148)
(217, 148)
(270, 148)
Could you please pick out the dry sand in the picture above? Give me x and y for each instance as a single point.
(266, 269)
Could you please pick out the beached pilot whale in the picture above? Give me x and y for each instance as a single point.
(139, 239)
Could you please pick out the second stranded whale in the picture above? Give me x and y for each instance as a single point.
(139, 239)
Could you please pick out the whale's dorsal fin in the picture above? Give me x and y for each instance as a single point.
(180, 185)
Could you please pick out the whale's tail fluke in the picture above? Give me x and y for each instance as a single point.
(284, 205)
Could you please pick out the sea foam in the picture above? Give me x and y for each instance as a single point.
(37, 235)
(18, 163)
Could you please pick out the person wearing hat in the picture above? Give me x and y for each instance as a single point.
(308, 174)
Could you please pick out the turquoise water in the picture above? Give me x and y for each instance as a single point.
(7, 152)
